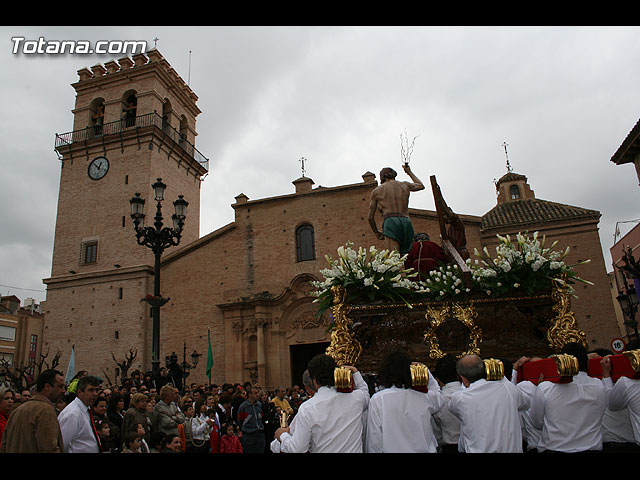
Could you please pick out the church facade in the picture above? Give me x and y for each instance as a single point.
(246, 285)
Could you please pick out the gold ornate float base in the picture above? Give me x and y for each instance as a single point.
(499, 328)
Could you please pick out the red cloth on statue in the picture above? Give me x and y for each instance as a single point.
(424, 256)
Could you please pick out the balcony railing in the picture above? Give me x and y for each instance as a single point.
(128, 124)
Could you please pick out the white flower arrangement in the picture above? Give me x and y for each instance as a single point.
(372, 274)
(525, 265)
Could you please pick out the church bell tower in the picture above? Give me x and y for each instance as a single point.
(134, 122)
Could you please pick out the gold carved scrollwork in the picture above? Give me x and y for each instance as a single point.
(344, 348)
(634, 358)
(466, 315)
(563, 328)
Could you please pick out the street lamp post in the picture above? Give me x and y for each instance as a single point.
(157, 238)
(186, 367)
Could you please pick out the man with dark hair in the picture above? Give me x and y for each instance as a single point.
(250, 422)
(76, 420)
(330, 421)
(570, 414)
(391, 199)
(487, 409)
(447, 425)
(33, 426)
(399, 417)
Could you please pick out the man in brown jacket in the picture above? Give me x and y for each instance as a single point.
(33, 426)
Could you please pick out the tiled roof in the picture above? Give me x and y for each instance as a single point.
(509, 177)
(533, 211)
(629, 148)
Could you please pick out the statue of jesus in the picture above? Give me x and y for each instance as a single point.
(391, 199)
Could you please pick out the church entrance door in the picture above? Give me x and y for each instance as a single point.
(300, 355)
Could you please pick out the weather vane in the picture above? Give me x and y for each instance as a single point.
(302, 160)
(505, 144)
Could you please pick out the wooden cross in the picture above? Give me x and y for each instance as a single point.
(454, 241)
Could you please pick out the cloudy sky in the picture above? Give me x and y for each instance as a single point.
(562, 98)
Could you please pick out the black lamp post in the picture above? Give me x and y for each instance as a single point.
(186, 367)
(157, 238)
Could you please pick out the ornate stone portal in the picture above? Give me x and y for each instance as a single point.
(499, 328)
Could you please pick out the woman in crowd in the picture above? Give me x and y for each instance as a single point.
(137, 414)
(7, 397)
(115, 413)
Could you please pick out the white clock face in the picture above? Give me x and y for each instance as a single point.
(98, 168)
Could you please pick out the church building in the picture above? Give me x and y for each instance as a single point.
(246, 285)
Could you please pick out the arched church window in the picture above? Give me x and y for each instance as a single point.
(183, 130)
(514, 192)
(166, 113)
(97, 116)
(305, 243)
(129, 107)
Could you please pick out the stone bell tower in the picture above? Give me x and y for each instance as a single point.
(134, 122)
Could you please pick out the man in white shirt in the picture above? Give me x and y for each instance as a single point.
(76, 424)
(570, 414)
(530, 433)
(488, 410)
(624, 394)
(447, 425)
(399, 417)
(331, 421)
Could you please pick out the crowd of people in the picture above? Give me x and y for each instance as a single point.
(459, 410)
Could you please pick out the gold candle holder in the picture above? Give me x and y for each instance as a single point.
(284, 419)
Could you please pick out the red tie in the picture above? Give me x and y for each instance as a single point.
(95, 432)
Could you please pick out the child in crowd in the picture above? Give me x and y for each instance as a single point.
(138, 429)
(131, 442)
(104, 432)
(171, 444)
(230, 443)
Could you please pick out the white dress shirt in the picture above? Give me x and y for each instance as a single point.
(570, 414)
(77, 433)
(399, 420)
(489, 416)
(330, 421)
(200, 429)
(625, 394)
(530, 432)
(447, 425)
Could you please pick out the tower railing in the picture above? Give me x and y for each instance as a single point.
(101, 130)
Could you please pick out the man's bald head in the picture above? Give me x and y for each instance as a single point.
(471, 367)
